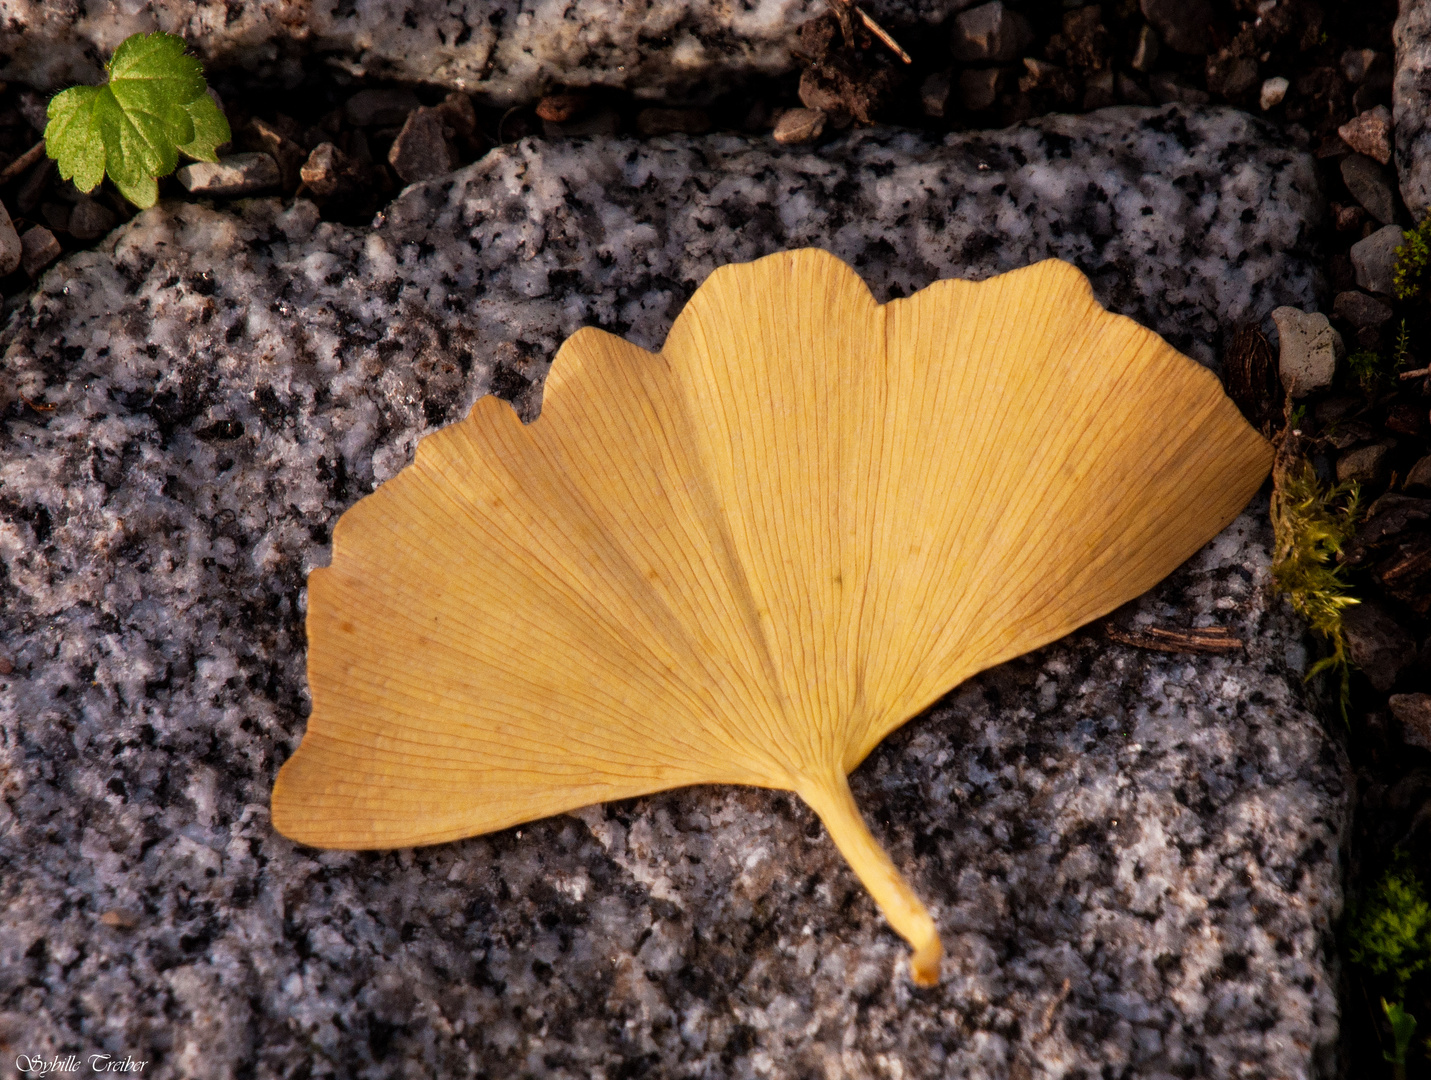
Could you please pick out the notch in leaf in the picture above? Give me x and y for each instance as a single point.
(749, 558)
(153, 107)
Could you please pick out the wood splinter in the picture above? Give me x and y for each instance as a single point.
(1211, 639)
(842, 9)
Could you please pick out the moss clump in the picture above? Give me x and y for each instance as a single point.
(1390, 930)
(1413, 260)
(1311, 524)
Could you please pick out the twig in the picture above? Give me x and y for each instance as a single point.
(1212, 639)
(47, 406)
(842, 9)
(23, 162)
(1417, 374)
(880, 32)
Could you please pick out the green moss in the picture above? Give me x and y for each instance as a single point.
(1413, 259)
(1390, 929)
(1311, 524)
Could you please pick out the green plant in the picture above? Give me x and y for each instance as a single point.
(1390, 930)
(154, 106)
(1311, 524)
(1413, 258)
(1403, 1027)
(1402, 347)
(1366, 368)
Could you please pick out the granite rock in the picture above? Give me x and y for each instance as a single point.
(1132, 856)
(1374, 259)
(1411, 104)
(509, 51)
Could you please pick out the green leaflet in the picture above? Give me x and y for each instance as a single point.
(154, 107)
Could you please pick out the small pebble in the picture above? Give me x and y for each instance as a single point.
(119, 920)
(934, 93)
(1357, 63)
(263, 137)
(421, 150)
(1308, 350)
(1183, 25)
(561, 108)
(1377, 643)
(1370, 133)
(10, 247)
(7, 666)
(1348, 218)
(1167, 88)
(1273, 91)
(979, 87)
(90, 220)
(1145, 52)
(39, 248)
(380, 108)
(1369, 185)
(605, 122)
(1414, 712)
(1359, 309)
(673, 122)
(1419, 478)
(1364, 465)
(799, 126)
(458, 114)
(1130, 92)
(1374, 259)
(238, 174)
(1098, 90)
(329, 171)
(990, 32)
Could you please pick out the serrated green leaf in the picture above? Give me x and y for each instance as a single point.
(72, 136)
(143, 193)
(211, 129)
(133, 127)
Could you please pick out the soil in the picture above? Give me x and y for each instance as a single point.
(1080, 57)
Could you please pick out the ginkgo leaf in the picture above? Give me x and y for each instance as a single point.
(750, 557)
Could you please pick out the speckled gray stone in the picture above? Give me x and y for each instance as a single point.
(1132, 856)
(507, 50)
(1411, 104)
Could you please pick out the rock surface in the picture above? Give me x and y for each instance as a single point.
(1132, 855)
(1411, 104)
(507, 50)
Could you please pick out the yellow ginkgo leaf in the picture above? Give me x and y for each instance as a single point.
(750, 557)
